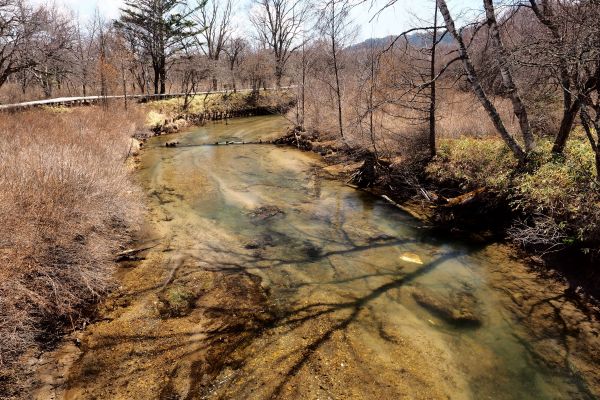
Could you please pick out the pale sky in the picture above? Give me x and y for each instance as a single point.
(393, 20)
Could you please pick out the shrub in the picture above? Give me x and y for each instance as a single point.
(66, 202)
(557, 202)
(561, 195)
(473, 163)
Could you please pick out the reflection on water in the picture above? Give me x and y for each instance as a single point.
(364, 303)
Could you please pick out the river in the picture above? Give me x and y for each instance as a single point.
(265, 278)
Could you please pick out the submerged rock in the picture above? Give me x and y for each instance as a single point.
(176, 301)
(458, 308)
(312, 251)
(265, 212)
(253, 245)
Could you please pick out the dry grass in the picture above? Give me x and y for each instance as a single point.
(460, 114)
(12, 93)
(398, 130)
(66, 202)
(230, 102)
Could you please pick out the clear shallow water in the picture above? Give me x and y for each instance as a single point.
(343, 271)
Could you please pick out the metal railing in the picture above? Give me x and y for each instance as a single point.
(78, 101)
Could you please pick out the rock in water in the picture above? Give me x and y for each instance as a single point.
(264, 213)
(175, 302)
(458, 308)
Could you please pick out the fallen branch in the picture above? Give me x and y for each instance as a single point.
(463, 199)
(131, 254)
(407, 210)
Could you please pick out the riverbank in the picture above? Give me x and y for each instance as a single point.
(67, 205)
(471, 190)
(170, 116)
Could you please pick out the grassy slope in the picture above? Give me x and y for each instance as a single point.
(558, 200)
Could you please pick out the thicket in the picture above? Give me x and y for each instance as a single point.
(66, 204)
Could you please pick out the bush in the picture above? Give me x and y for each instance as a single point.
(556, 203)
(66, 202)
(473, 163)
(562, 191)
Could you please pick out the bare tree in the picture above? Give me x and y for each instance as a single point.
(278, 23)
(51, 50)
(305, 67)
(140, 60)
(234, 50)
(29, 37)
(83, 53)
(563, 52)
(474, 80)
(502, 58)
(591, 124)
(433, 85)
(257, 63)
(215, 17)
(334, 24)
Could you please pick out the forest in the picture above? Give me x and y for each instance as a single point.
(483, 122)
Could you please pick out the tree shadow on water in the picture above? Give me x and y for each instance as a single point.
(237, 315)
(295, 317)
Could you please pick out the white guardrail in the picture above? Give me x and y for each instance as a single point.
(75, 101)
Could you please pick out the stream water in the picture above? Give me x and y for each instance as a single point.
(340, 295)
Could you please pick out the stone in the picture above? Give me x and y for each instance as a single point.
(265, 212)
(457, 308)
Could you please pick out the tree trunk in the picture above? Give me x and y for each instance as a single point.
(163, 76)
(432, 93)
(156, 78)
(507, 78)
(473, 79)
(338, 93)
(123, 76)
(336, 71)
(303, 92)
(568, 119)
(570, 109)
(278, 74)
(590, 126)
(233, 80)
(371, 104)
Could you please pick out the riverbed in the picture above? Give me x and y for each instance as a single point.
(266, 278)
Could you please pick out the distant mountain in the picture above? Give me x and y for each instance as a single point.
(416, 39)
